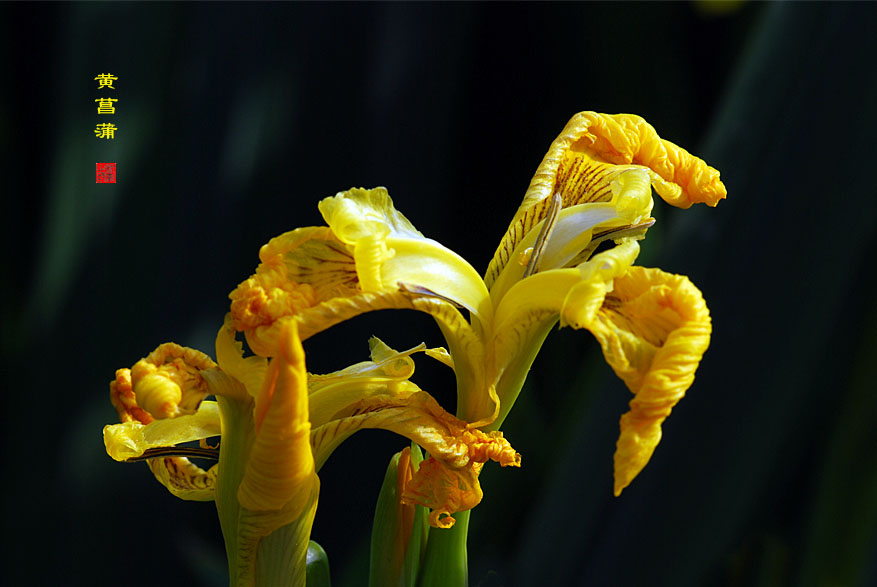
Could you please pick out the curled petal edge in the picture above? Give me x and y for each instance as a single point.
(654, 328)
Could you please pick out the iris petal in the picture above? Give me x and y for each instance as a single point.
(280, 468)
(452, 445)
(180, 476)
(654, 328)
(389, 251)
(229, 355)
(131, 439)
(588, 156)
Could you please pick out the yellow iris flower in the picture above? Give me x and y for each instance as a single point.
(278, 426)
(567, 256)
(594, 186)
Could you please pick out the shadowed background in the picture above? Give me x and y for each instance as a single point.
(235, 119)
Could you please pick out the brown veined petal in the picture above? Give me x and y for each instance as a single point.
(310, 276)
(456, 449)
(131, 439)
(298, 270)
(185, 479)
(654, 328)
(680, 178)
(417, 416)
(588, 155)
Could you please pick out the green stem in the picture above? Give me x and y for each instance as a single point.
(446, 562)
(237, 435)
(512, 381)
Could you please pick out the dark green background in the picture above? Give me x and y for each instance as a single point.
(234, 120)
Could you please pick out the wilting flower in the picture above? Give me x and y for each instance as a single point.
(593, 190)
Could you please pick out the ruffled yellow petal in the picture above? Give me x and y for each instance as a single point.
(359, 214)
(588, 155)
(168, 382)
(680, 178)
(444, 490)
(339, 298)
(298, 270)
(159, 401)
(654, 328)
(311, 276)
(123, 398)
(449, 441)
(280, 469)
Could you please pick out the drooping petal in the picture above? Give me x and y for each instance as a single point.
(444, 490)
(534, 305)
(388, 373)
(654, 328)
(588, 155)
(131, 439)
(313, 277)
(455, 446)
(180, 476)
(571, 295)
(159, 401)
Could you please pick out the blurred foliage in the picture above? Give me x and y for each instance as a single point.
(235, 119)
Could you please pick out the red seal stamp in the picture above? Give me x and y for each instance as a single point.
(105, 173)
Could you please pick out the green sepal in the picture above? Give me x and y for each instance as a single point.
(446, 560)
(237, 439)
(317, 566)
(419, 533)
(396, 548)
